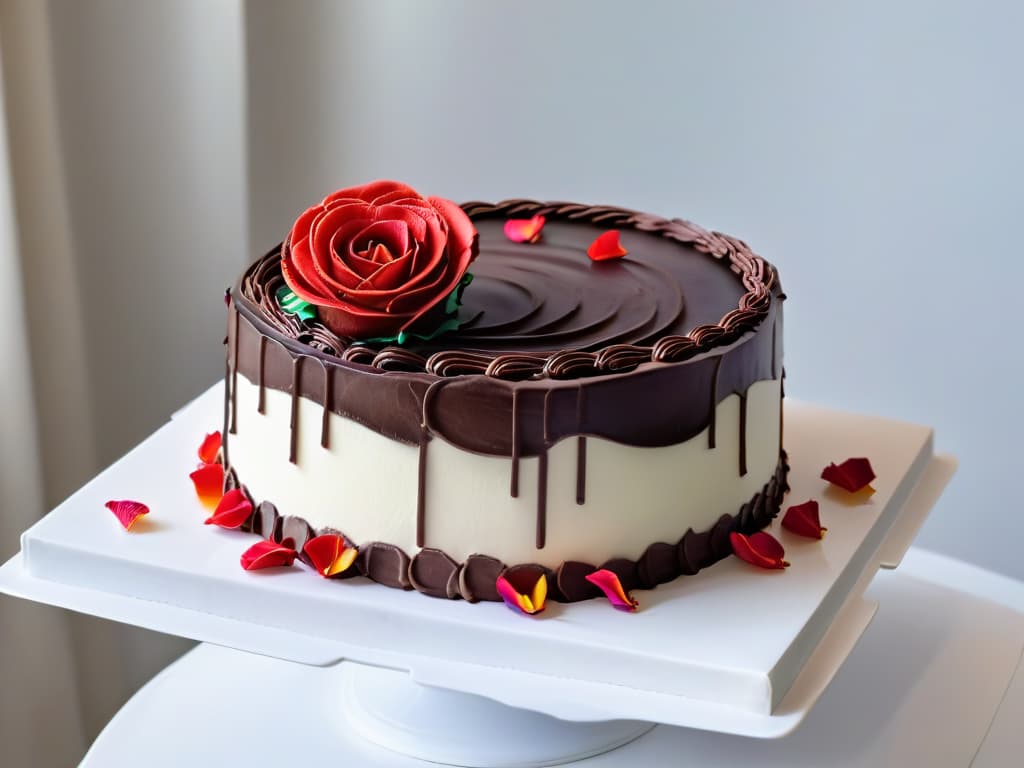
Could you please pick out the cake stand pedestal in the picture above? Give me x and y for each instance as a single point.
(928, 684)
(733, 649)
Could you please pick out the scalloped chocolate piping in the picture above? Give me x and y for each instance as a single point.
(432, 572)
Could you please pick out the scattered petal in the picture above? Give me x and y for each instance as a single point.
(209, 483)
(329, 554)
(760, 549)
(209, 448)
(232, 510)
(523, 588)
(609, 583)
(606, 246)
(802, 519)
(524, 230)
(127, 511)
(851, 475)
(267, 554)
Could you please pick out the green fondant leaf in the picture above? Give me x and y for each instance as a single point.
(451, 322)
(293, 305)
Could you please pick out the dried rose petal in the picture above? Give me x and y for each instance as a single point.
(606, 246)
(524, 230)
(127, 511)
(267, 554)
(609, 583)
(232, 510)
(209, 448)
(209, 483)
(851, 475)
(760, 549)
(523, 589)
(329, 554)
(802, 519)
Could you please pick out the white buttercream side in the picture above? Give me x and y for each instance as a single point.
(365, 484)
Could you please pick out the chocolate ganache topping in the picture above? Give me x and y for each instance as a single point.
(552, 345)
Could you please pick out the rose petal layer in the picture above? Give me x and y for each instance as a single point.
(523, 589)
(232, 510)
(803, 520)
(210, 447)
(329, 554)
(524, 230)
(208, 480)
(267, 554)
(127, 511)
(851, 475)
(608, 582)
(606, 246)
(760, 549)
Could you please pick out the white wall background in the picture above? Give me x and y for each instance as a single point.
(872, 150)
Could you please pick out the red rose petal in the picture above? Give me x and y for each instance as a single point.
(267, 554)
(232, 510)
(209, 483)
(606, 246)
(523, 588)
(127, 511)
(851, 475)
(608, 582)
(329, 554)
(524, 230)
(802, 519)
(210, 447)
(760, 549)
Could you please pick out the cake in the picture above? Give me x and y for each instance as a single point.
(563, 389)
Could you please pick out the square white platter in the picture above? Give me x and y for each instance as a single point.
(733, 649)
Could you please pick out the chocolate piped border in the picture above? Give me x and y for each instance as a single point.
(434, 573)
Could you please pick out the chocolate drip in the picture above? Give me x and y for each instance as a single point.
(421, 493)
(743, 434)
(581, 469)
(714, 402)
(581, 450)
(782, 405)
(542, 474)
(261, 405)
(294, 421)
(227, 410)
(775, 323)
(514, 480)
(325, 419)
(234, 378)
(542, 499)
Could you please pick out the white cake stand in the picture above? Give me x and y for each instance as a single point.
(733, 649)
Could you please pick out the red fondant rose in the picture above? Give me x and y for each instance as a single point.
(374, 259)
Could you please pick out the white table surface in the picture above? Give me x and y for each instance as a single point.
(913, 693)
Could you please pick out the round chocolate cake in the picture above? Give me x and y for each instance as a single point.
(603, 393)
